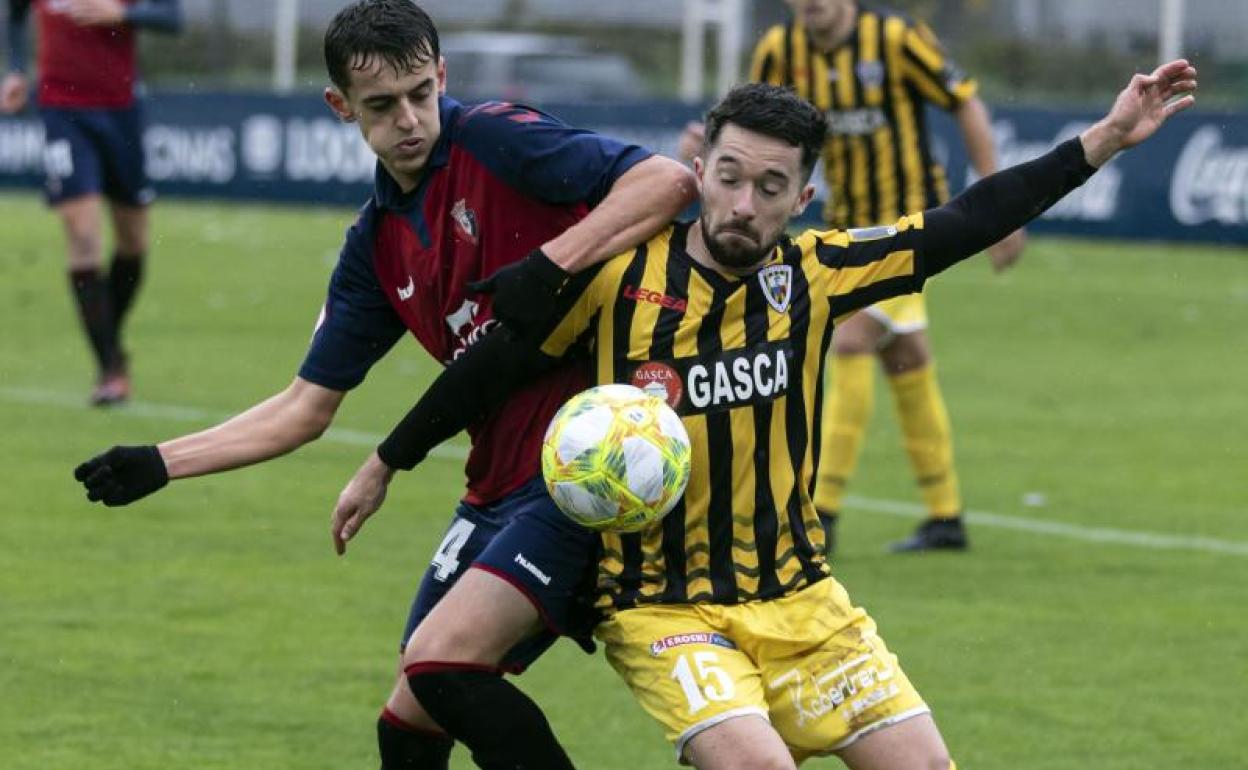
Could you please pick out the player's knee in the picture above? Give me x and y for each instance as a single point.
(853, 345)
(447, 644)
(906, 353)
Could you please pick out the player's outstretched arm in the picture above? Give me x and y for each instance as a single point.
(975, 125)
(274, 427)
(1001, 203)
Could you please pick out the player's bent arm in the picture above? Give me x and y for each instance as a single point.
(645, 199)
(975, 126)
(274, 427)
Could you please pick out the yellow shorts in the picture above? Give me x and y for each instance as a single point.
(901, 315)
(809, 662)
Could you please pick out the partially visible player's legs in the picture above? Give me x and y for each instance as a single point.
(81, 219)
(744, 743)
(849, 404)
(407, 737)
(914, 744)
(125, 274)
(454, 667)
(928, 438)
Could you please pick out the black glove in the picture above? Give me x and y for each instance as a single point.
(524, 292)
(123, 474)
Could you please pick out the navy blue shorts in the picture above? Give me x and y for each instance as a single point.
(94, 151)
(527, 541)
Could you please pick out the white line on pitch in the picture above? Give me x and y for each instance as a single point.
(351, 437)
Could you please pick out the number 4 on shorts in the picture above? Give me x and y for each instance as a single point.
(446, 558)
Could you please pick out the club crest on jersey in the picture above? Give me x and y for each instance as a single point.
(466, 220)
(777, 283)
(870, 73)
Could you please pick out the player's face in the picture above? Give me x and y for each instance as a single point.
(820, 15)
(397, 113)
(751, 186)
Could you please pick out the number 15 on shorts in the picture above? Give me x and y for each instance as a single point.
(703, 680)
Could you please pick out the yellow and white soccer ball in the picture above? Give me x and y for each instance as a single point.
(615, 457)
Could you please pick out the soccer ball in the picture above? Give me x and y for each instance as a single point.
(615, 457)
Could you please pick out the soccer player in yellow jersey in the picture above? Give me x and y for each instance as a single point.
(872, 71)
(723, 617)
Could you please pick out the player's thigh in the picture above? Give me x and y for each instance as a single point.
(683, 670)
(830, 679)
(477, 621)
(71, 160)
(744, 743)
(130, 228)
(915, 744)
(906, 352)
(859, 334)
(118, 136)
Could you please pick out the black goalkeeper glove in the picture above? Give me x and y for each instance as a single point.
(524, 292)
(123, 474)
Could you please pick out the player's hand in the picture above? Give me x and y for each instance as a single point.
(691, 140)
(1005, 252)
(360, 499)
(14, 91)
(123, 474)
(96, 13)
(524, 292)
(1144, 105)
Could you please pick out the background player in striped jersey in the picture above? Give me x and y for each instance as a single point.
(872, 71)
(723, 617)
(94, 150)
(461, 193)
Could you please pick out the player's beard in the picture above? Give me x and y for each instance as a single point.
(736, 257)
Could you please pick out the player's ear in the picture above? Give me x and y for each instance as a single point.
(699, 168)
(337, 102)
(442, 75)
(803, 200)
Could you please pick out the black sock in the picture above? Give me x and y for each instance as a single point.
(504, 728)
(95, 308)
(403, 747)
(124, 278)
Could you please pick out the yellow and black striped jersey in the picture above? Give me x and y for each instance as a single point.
(878, 161)
(741, 360)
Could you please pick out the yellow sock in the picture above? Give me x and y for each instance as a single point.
(849, 403)
(929, 441)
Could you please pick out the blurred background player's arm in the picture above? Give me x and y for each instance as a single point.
(157, 15)
(944, 84)
(14, 88)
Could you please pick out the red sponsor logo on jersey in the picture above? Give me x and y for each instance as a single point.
(659, 380)
(657, 298)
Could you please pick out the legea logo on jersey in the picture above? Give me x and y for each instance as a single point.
(659, 646)
(656, 298)
(777, 283)
(465, 220)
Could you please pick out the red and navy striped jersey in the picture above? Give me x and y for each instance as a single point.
(502, 180)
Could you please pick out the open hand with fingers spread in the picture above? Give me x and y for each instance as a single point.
(1144, 105)
(360, 499)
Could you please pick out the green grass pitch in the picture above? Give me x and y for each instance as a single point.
(1098, 386)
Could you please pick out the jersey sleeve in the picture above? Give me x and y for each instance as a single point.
(157, 15)
(543, 157)
(358, 325)
(15, 34)
(931, 71)
(768, 63)
(860, 267)
(586, 294)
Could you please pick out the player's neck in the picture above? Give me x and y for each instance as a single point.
(406, 181)
(834, 36)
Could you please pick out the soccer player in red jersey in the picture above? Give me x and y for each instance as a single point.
(498, 192)
(93, 150)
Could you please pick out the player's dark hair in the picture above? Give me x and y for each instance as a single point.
(397, 32)
(771, 111)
